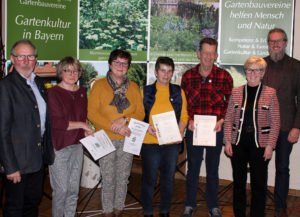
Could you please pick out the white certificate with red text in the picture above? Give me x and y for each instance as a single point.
(204, 133)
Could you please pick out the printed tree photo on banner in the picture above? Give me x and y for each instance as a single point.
(93, 70)
(177, 26)
(106, 25)
(177, 74)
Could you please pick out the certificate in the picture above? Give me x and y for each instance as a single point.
(166, 126)
(204, 134)
(133, 143)
(98, 144)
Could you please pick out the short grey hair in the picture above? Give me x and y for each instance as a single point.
(25, 42)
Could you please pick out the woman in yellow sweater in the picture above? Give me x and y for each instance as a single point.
(112, 102)
(158, 98)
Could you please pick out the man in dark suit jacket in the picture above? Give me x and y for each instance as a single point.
(25, 141)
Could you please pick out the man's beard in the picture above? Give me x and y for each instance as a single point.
(277, 56)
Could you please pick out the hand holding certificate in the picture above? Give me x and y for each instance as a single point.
(166, 126)
(98, 144)
(204, 133)
(134, 143)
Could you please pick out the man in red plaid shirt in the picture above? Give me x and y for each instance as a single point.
(207, 89)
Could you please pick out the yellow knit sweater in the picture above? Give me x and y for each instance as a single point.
(101, 114)
(162, 104)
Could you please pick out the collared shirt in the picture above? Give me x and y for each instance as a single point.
(207, 96)
(40, 101)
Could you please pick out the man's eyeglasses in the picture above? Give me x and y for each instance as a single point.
(70, 72)
(23, 57)
(276, 41)
(250, 71)
(121, 63)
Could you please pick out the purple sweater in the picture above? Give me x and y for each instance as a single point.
(66, 106)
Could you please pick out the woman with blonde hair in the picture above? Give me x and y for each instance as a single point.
(251, 129)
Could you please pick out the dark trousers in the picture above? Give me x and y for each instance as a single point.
(244, 153)
(282, 162)
(23, 198)
(158, 159)
(212, 160)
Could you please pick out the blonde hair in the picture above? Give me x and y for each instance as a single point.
(255, 60)
(65, 62)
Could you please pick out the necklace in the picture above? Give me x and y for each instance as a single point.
(72, 94)
(71, 91)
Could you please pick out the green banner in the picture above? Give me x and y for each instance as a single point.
(50, 24)
(245, 25)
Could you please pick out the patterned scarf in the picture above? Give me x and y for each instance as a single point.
(119, 100)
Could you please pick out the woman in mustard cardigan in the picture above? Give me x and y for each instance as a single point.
(113, 101)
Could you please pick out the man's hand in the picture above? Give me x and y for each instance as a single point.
(14, 177)
(219, 125)
(191, 125)
(293, 135)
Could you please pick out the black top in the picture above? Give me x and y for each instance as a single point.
(248, 125)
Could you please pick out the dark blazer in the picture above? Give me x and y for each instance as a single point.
(22, 148)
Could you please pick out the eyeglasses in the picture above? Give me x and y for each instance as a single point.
(256, 71)
(70, 72)
(23, 57)
(121, 63)
(276, 41)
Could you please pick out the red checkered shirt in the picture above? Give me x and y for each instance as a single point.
(207, 96)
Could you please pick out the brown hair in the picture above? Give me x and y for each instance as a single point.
(65, 62)
(209, 41)
(280, 31)
(166, 61)
(121, 54)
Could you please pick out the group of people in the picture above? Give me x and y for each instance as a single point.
(39, 127)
